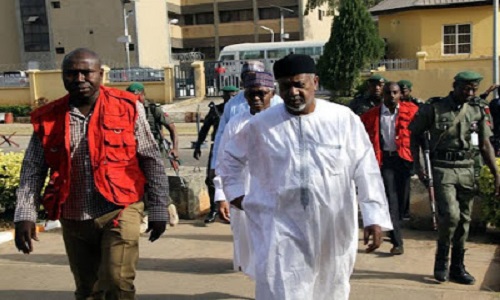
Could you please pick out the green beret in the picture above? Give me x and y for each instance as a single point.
(405, 84)
(135, 87)
(468, 76)
(377, 78)
(230, 88)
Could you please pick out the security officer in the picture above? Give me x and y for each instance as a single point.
(405, 86)
(212, 119)
(363, 103)
(156, 119)
(457, 123)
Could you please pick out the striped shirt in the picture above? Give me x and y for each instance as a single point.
(84, 201)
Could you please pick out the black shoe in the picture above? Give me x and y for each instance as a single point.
(441, 263)
(458, 273)
(210, 218)
(397, 250)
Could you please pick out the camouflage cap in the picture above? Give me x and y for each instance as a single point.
(468, 76)
(405, 84)
(377, 78)
(135, 87)
(230, 88)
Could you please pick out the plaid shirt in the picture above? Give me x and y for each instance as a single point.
(84, 201)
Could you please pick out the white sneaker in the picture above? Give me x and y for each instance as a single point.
(173, 216)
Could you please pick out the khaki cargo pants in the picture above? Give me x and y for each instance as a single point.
(102, 257)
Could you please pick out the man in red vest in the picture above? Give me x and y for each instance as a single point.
(387, 127)
(100, 151)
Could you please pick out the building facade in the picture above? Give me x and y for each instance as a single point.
(38, 33)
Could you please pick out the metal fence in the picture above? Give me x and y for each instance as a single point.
(184, 80)
(14, 80)
(396, 64)
(188, 57)
(136, 74)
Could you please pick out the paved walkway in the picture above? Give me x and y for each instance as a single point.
(193, 261)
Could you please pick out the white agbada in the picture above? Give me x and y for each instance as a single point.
(242, 249)
(301, 206)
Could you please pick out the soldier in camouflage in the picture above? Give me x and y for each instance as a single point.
(406, 86)
(458, 124)
(363, 103)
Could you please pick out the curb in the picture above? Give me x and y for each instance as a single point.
(8, 235)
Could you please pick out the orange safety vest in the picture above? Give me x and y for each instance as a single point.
(112, 149)
(371, 120)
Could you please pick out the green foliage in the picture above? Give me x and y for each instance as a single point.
(333, 4)
(17, 110)
(491, 204)
(354, 44)
(10, 170)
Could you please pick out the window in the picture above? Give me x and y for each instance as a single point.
(278, 53)
(274, 12)
(236, 15)
(188, 19)
(204, 18)
(321, 14)
(457, 39)
(60, 50)
(56, 4)
(252, 54)
(35, 25)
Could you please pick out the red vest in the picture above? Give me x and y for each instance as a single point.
(112, 149)
(371, 120)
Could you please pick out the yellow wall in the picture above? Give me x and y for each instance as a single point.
(437, 82)
(403, 33)
(422, 30)
(15, 96)
(9, 51)
(315, 29)
(152, 37)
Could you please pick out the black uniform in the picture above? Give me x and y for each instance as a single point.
(211, 119)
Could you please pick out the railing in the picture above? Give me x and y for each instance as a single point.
(395, 64)
(188, 57)
(14, 81)
(136, 74)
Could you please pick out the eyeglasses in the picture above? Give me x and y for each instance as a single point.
(252, 94)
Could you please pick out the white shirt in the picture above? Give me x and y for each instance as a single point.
(388, 127)
(301, 204)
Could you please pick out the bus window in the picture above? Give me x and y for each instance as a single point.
(227, 57)
(306, 51)
(251, 54)
(278, 53)
(318, 50)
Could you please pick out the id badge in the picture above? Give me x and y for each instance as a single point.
(474, 138)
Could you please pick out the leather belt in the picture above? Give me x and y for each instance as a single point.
(452, 155)
(390, 153)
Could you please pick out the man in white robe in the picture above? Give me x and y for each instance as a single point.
(305, 158)
(259, 89)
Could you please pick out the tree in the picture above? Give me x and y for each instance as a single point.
(353, 44)
(333, 4)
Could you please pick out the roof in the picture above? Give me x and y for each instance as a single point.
(391, 6)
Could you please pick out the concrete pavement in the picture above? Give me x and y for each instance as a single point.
(193, 261)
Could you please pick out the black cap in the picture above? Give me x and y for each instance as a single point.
(294, 64)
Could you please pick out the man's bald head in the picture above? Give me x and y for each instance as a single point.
(79, 53)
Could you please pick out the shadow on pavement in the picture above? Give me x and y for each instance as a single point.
(204, 296)
(368, 274)
(491, 280)
(196, 265)
(204, 237)
(36, 295)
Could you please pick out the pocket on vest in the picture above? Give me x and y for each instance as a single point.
(122, 184)
(120, 145)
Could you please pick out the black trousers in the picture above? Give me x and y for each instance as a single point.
(396, 175)
(210, 183)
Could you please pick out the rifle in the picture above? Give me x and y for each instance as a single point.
(175, 162)
(429, 180)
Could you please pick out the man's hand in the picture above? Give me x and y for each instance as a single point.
(224, 211)
(174, 153)
(422, 176)
(197, 153)
(237, 202)
(157, 228)
(376, 232)
(25, 232)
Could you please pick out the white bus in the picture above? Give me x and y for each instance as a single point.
(277, 50)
